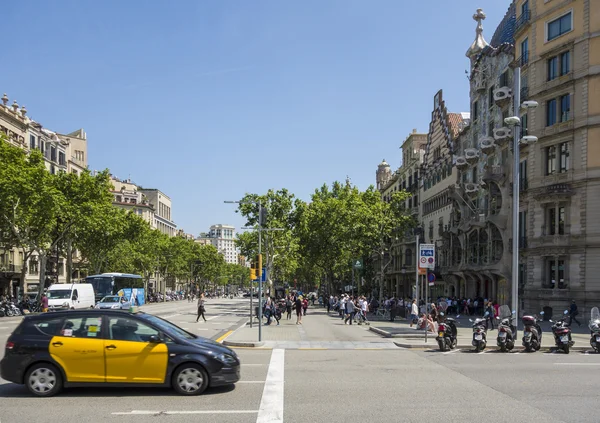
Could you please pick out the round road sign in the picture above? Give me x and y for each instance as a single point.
(431, 277)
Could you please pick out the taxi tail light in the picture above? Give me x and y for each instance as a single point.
(10, 345)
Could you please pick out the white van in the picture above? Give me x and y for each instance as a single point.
(63, 296)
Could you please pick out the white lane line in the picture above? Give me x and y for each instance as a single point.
(169, 316)
(271, 403)
(153, 412)
(250, 381)
(577, 364)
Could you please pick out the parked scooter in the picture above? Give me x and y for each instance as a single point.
(447, 333)
(562, 333)
(532, 333)
(506, 329)
(594, 326)
(479, 333)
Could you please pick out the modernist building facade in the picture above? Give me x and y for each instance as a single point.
(558, 50)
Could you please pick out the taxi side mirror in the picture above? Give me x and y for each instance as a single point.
(155, 339)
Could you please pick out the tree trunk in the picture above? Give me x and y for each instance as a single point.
(69, 268)
(42, 268)
(26, 255)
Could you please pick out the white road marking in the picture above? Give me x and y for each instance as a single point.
(577, 364)
(153, 412)
(271, 403)
(169, 316)
(250, 381)
(452, 351)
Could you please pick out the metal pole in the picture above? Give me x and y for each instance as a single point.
(251, 295)
(426, 300)
(260, 278)
(353, 278)
(417, 287)
(381, 279)
(515, 216)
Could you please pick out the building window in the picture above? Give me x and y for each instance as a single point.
(504, 79)
(522, 229)
(33, 267)
(551, 112)
(565, 63)
(524, 125)
(525, 52)
(491, 96)
(559, 26)
(565, 107)
(431, 230)
(32, 141)
(552, 68)
(555, 220)
(62, 159)
(557, 158)
(556, 273)
(53, 154)
(408, 257)
(475, 110)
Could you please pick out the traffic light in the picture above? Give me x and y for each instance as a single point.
(259, 269)
(252, 273)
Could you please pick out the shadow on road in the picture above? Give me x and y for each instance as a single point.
(11, 390)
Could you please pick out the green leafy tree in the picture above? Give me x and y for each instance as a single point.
(29, 203)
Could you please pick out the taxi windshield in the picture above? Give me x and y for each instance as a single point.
(61, 294)
(168, 327)
(110, 300)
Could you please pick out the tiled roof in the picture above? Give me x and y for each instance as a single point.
(505, 32)
(454, 119)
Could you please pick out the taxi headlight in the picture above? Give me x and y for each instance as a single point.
(226, 359)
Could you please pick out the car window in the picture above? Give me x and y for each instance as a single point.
(128, 329)
(49, 327)
(82, 327)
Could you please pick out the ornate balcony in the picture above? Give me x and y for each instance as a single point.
(522, 21)
(471, 155)
(460, 162)
(502, 135)
(487, 145)
(494, 173)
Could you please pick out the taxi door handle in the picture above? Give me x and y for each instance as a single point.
(57, 344)
(111, 347)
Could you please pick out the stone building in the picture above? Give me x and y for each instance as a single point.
(476, 253)
(558, 50)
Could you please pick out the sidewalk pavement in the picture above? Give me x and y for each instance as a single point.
(406, 337)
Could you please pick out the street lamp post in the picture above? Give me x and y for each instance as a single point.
(515, 123)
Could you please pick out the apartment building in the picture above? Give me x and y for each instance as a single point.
(558, 50)
(128, 197)
(162, 210)
(62, 153)
(223, 239)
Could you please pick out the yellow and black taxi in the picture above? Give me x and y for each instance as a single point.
(78, 348)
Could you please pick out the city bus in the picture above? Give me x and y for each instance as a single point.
(125, 284)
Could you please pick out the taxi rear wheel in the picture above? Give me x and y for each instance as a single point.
(190, 379)
(43, 380)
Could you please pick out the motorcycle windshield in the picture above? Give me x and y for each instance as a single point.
(594, 315)
(504, 312)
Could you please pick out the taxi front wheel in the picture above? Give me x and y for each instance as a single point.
(43, 380)
(190, 379)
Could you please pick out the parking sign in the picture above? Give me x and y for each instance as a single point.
(427, 256)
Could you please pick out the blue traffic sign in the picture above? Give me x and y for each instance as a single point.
(431, 277)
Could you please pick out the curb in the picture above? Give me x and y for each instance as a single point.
(243, 344)
(487, 348)
(381, 332)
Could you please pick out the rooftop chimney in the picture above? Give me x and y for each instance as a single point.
(5, 99)
(15, 106)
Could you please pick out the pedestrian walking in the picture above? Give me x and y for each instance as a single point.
(305, 305)
(414, 313)
(299, 310)
(201, 309)
(489, 314)
(44, 303)
(573, 312)
(349, 310)
(288, 307)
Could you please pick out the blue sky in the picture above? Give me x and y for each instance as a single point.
(208, 100)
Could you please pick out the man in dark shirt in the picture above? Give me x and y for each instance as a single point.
(573, 312)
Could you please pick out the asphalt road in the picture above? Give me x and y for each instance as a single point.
(337, 385)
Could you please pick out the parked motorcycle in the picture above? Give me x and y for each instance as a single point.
(506, 329)
(532, 333)
(594, 326)
(479, 333)
(562, 333)
(447, 333)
